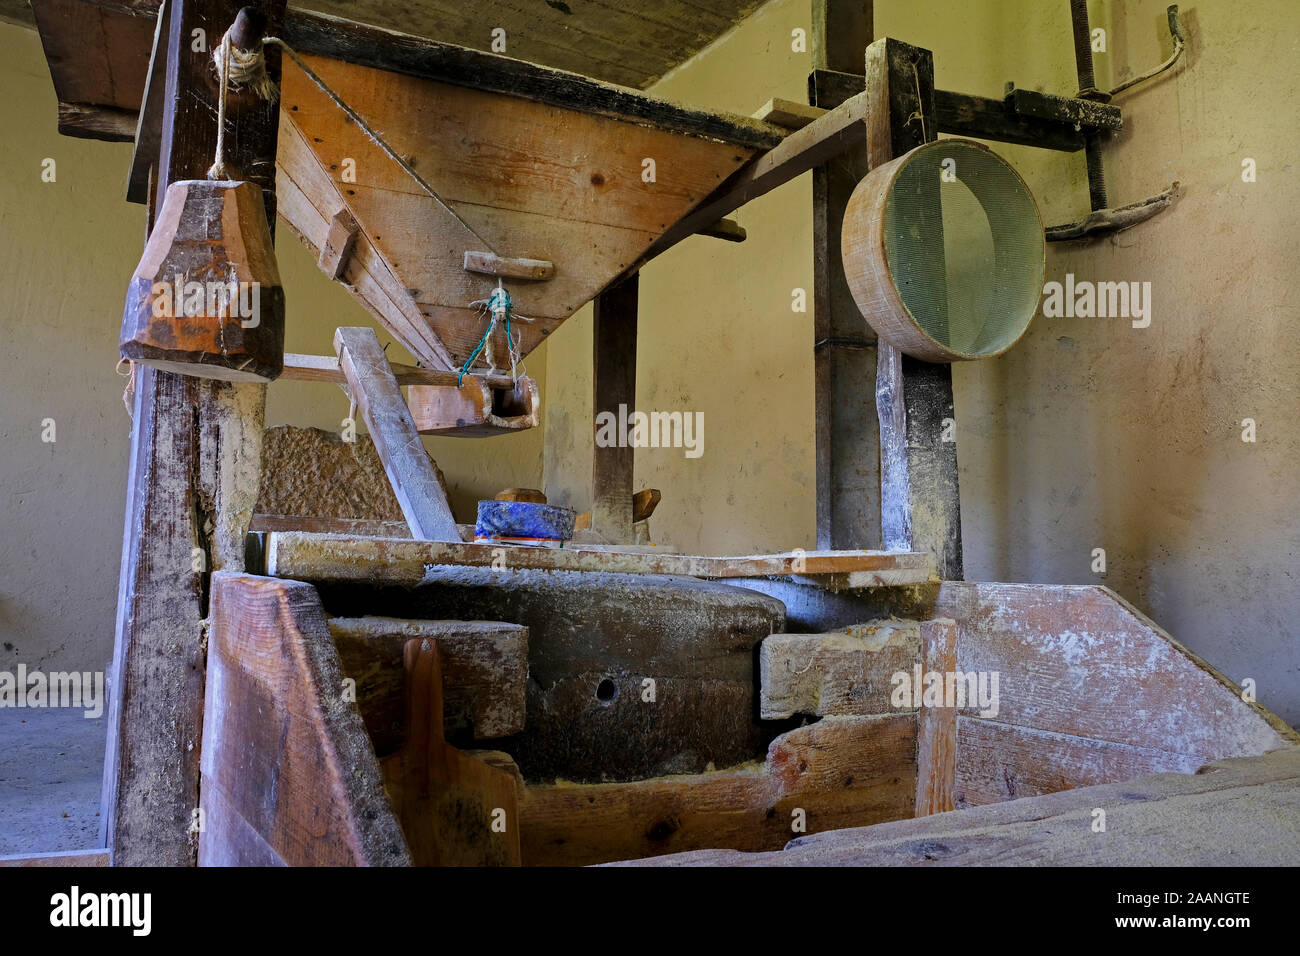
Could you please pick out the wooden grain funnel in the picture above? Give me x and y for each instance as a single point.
(558, 184)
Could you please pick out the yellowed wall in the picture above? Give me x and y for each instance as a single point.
(1089, 434)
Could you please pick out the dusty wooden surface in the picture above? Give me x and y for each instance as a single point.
(845, 672)
(509, 173)
(456, 808)
(388, 560)
(841, 771)
(72, 858)
(195, 460)
(936, 727)
(920, 508)
(415, 483)
(1242, 812)
(484, 674)
(289, 776)
(1081, 661)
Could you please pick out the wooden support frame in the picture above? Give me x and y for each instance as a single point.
(614, 385)
(844, 346)
(374, 389)
(195, 456)
(919, 504)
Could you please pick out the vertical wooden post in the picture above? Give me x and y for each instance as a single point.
(936, 727)
(614, 380)
(192, 485)
(919, 506)
(844, 346)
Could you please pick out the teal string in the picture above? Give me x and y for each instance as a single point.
(499, 301)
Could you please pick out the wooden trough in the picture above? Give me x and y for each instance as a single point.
(1068, 687)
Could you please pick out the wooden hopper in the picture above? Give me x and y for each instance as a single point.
(537, 164)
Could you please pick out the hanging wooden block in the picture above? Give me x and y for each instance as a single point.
(205, 299)
(474, 408)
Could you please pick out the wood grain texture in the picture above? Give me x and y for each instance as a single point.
(374, 389)
(71, 858)
(457, 808)
(1078, 660)
(289, 775)
(998, 761)
(527, 181)
(474, 410)
(841, 771)
(843, 673)
(1229, 813)
(936, 727)
(484, 671)
(194, 464)
(389, 560)
(339, 241)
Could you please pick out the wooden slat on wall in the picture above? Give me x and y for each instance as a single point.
(936, 727)
(614, 383)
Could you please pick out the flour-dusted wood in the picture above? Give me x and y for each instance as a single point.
(841, 771)
(841, 673)
(374, 389)
(289, 776)
(389, 560)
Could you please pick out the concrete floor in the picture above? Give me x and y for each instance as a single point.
(51, 762)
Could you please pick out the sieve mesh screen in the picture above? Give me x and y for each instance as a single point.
(966, 255)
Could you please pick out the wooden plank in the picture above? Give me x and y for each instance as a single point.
(920, 506)
(368, 527)
(420, 494)
(427, 59)
(936, 726)
(840, 771)
(1234, 811)
(1080, 661)
(87, 121)
(148, 126)
(614, 385)
(997, 761)
(195, 457)
(843, 673)
(389, 560)
(288, 772)
(489, 263)
(823, 138)
(299, 367)
(788, 114)
(473, 409)
(963, 114)
(484, 666)
(339, 242)
(457, 808)
(847, 443)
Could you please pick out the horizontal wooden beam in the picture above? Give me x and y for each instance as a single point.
(825, 137)
(788, 114)
(341, 558)
(489, 263)
(299, 367)
(88, 121)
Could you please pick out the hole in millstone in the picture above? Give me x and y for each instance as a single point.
(606, 691)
